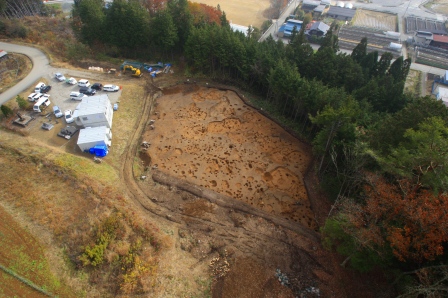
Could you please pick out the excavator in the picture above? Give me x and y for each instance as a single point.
(135, 71)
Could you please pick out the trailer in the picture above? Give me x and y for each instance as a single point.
(395, 46)
(94, 136)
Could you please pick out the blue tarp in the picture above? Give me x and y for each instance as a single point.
(99, 150)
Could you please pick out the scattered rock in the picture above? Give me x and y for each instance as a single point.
(182, 233)
(186, 245)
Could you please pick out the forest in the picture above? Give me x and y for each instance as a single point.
(381, 155)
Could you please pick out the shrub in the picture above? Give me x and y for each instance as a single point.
(95, 255)
(23, 104)
(77, 51)
(15, 29)
(265, 26)
(6, 110)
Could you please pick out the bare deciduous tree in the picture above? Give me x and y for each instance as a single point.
(20, 8)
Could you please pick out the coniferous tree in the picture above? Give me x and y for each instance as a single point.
(360, 51)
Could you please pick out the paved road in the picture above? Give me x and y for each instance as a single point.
(277, 23)
(41, 66)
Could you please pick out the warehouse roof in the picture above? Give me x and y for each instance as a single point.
(440, 38)
(93, 105)
(92, 134)
(341, 11)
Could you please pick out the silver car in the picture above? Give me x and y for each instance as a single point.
(57, 112)
(59, 76)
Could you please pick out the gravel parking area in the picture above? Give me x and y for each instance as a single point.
(60, 91)
(60, 96)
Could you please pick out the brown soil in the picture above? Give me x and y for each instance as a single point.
(192, 120)
(245, 13)
(25, 257)
(212, 139)
(256, 161)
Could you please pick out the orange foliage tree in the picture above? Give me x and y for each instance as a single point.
(414, 221)
(204, 14)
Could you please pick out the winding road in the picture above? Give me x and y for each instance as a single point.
(41, 66)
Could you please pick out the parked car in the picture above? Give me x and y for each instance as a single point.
(59, 76)
(71, 81)
(34, 96)
(68, 132)
(97, 86)
(38, 87)
(47, 126)
(77, 95)
(45, 89)
(87, 91)
(57, 112)
(83, 83)
(68, 116)
(111, 88)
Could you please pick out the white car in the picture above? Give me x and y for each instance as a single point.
(59, 76)
(111, 88)
(68, 116)
(39, 86)
(83, 83)
(57, 112)
(77, 95)
(34, 96)
(71, 81)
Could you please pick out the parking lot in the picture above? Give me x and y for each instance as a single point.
(60, 96)
(60, 91)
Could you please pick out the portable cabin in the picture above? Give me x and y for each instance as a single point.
(94, 111)
(94, 136)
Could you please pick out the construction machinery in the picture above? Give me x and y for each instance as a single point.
(135, 71)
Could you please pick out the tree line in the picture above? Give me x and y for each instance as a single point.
(381, 154)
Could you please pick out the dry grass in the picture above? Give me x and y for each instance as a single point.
(14, 69)
(413, 82)
(69, 197)
(249, 12)
(375, 19)
(50, 35)
(438, 6)
(125, 119)
(26, 258)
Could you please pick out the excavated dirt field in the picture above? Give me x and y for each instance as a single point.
(210, 138)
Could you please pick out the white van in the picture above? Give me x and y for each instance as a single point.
(41, 104)
(77, 95)
(111, 88)
(83, 83)
(38, 87)
(34, 96)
